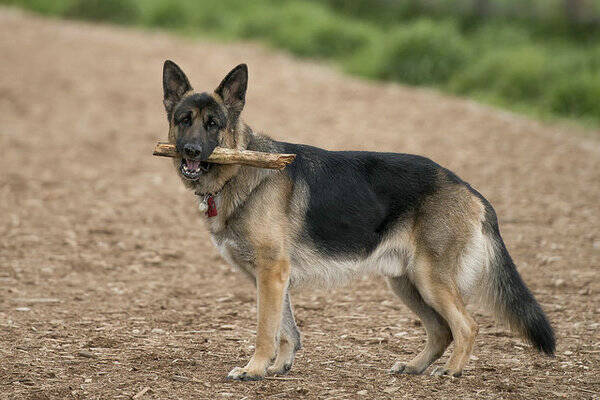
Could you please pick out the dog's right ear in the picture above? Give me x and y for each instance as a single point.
(233, 90)
(175, 85)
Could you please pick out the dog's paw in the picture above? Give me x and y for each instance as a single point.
(279, 369)
(443, 371)
(402, 368)
(243, 374)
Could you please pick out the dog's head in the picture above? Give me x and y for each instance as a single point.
(199, 122)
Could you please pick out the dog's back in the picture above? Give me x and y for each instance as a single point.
(407, 218)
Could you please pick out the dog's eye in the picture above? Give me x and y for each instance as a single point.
(185, 121)
(211, 123)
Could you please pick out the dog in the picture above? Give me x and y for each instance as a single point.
(331, 216)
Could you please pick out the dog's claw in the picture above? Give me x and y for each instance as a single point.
(280, 371)
(402, 368)
(240, 374)
(398, 368)
(442, 371)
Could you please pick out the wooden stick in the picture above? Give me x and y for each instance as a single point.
(221, 155)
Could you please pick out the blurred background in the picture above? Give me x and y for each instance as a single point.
(537, 57)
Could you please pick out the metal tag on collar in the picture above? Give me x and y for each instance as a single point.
(207, 205)
(203, 203)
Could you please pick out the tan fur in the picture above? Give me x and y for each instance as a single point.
(439, 335)
(264, 257)
(429, 248)
(435, 259)
(271, 277)
(448, 222)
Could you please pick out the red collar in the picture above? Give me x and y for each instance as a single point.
(207, 203)
(212, 207)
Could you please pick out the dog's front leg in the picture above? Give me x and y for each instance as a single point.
(271, 281)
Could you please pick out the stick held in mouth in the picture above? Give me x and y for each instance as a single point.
(222, 155)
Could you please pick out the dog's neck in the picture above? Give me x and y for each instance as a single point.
(244, 181)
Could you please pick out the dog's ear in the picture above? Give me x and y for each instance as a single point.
(175, 85)
(233, 89)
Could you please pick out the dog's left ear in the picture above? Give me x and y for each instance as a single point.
(233, 89)
(175, 85)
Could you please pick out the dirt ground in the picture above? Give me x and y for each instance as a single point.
(111, 288)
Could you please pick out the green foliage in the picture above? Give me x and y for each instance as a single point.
(514, 74)
(496, 35)
(44, 7)
(306, 30)
(544, 17)
(423, 53)
(531, 56)
(118, 11)
(576, 96)
(168, 15)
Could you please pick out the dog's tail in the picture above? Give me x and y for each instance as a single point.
(512, 301)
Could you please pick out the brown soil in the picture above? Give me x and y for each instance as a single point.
(110, 285)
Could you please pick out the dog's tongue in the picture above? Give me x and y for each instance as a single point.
(192, 164)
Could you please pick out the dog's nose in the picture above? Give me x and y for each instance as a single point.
(192, 150)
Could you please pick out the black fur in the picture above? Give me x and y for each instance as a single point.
(199, 133)
(233, 91)
(200, 101)
(356, 196)
(175, 85)
(522, 306)
(515, 301)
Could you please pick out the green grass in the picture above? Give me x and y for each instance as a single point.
(530, 56)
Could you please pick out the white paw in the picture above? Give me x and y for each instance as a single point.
(242, 374)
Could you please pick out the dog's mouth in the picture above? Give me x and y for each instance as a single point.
(193, 169)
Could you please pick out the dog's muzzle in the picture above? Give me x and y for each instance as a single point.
(193, 169)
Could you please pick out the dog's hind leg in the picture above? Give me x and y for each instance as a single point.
(289, 341)
(440, 292)
(438, 331)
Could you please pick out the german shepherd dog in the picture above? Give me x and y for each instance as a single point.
(335, 215)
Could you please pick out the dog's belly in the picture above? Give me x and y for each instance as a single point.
(392, 257)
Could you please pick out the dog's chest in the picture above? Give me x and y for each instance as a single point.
(235, 252)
